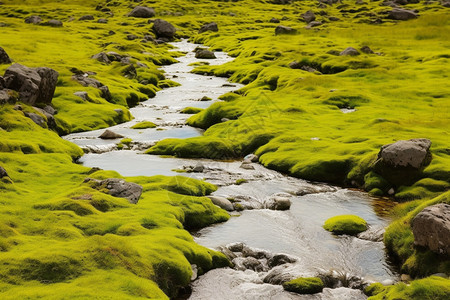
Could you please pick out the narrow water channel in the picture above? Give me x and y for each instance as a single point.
(296, 232)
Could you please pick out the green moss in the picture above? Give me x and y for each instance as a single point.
(345, 224)
(144, 125)
(374, 289)
(240, 181)
(191, 110)
(310, 285)
(433, 287)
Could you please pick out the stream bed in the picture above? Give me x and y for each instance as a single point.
(296, 232)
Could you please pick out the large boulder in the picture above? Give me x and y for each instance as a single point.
(401, 14)
(284, 30)
(118, 188)
(401, 162)
(142, 12)
(431, 228)
(35, 85)
(163, 29)
(4, 57)
(209, 27)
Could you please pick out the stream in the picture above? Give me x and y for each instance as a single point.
(346, 262)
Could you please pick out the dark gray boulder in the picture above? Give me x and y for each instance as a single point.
(163, 29)
(54, 23)
(284, 30)
(205, 54)
(350, 51)
(209, 27)
(309, 16)
(86, 18)
(431, 228)
(87, 81)
(278, 203)
(401, 162)
(280, 259)
(83, 95)
(110, 135)
(313, 24)
(101, 57)
(366, 49)
(401, 14)
(274, 20)
(33, 20)
(106, 94)
(142, 12)
(253, 264)
(4, 57)
(35, 85)
(118, 188)
(38, 119)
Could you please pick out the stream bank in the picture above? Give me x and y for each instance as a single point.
(297, 232)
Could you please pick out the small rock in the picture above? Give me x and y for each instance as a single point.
(252, 263)
(350, 51)
(222, 202)
(236, 247)
(278, 203)
(86, 18)
(309, 16)
(284, 30)
(4, 57)
(106, 94)
(314, 24)
(194, 272)
(205, 54)
(280, 259)
(367, 50)
(50, 110)
(109, 135)
(101, 57)
(405, 278)
(54, 23)
(199, 168)
(388, 282)
(333, 19)
(391, 191)
(251, 158)
(39, 120)
(209, 27)
(33, 20)
(142, 12)
(83, 95)
(119, 111)
(247, 166)
(3, 172)
(132, 37)
(274, 20)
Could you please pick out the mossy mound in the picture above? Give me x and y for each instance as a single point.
(345, 224)
(432, 288)
(144, 125)
(191, 110)
(310, 285)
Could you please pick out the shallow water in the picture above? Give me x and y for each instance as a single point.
(297, 232)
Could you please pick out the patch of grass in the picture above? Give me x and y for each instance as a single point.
(345, 224)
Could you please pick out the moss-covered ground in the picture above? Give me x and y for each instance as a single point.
(60, 239)
(345, 224)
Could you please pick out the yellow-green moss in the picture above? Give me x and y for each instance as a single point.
(144, 125)
(310, 285)
(345, 224)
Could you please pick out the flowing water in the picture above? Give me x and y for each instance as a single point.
(297, 232)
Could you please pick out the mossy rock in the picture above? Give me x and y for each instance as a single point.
(191, 110)
(144, 125)
(345, 224)
(311, 285)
